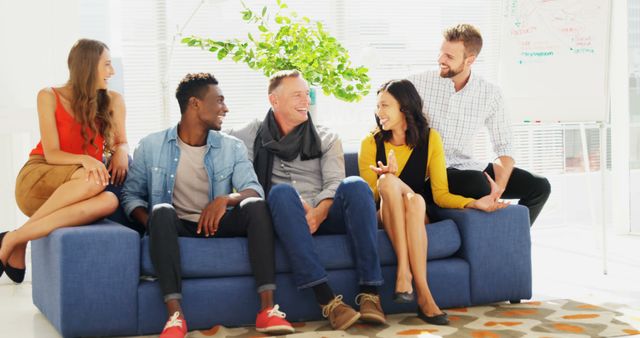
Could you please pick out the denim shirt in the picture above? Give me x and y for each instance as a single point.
(151, 178)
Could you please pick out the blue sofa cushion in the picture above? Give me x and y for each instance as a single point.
(230, 256)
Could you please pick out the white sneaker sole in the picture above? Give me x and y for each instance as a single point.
(281, 329)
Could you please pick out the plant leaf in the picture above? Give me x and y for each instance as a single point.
(222, 53)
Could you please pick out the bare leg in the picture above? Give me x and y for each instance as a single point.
(393, 218)
(415, 210)
(83, 212)
(76, 190)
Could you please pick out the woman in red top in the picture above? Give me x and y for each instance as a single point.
(63, 182)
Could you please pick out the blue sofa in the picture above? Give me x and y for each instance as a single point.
(97, 280)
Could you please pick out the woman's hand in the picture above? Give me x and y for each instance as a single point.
(95, 170)
(490, 202)
(118, 166)
(390, 168)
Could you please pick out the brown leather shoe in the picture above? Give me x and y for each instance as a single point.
(341, 316)
(370, 308)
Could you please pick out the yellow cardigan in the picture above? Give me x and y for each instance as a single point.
(436, 168)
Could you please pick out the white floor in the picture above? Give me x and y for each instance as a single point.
(567, 263)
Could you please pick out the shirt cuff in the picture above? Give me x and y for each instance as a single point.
(131, 206)
(323, 195)
(256, 187)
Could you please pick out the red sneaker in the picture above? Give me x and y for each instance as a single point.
(271, 320)
(176, 327)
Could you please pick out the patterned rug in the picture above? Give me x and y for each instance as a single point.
(549, 319)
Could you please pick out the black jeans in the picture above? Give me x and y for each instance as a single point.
(532, 190)
(251, 218)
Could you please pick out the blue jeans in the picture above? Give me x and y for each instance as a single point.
(353, 212)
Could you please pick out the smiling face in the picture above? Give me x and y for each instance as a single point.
(211, 109)
(388, 113)
(104, 70)
(290, 102)
(452, 59)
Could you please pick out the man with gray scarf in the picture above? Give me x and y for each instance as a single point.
(301, 168)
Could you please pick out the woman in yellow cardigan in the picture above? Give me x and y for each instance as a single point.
(395, 160)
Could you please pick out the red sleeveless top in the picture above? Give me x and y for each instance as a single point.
(70, 136)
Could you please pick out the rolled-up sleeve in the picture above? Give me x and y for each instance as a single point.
(244, 177)
(135, 189)
(367, 157)
(332, 166)
(499, 126)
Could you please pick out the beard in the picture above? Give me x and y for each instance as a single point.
(451, 72)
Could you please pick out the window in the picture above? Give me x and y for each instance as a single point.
(634, 111)
(393, 40)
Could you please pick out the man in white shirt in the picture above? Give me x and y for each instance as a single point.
(458, 103)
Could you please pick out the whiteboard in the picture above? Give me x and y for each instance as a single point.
(554, 60)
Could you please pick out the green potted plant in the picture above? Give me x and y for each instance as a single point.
(292, 42)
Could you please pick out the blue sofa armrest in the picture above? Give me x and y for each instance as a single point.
(85, 279)
(497, 246)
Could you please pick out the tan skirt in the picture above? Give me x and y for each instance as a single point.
(38, 180)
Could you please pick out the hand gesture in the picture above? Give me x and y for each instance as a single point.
(211, 215)
(118, 166)
(95, 170)
(390, 168)
(490, 202)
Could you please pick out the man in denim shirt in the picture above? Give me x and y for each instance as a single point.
(182, 182)
(310, 195)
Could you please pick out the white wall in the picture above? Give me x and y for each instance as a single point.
(35, 38)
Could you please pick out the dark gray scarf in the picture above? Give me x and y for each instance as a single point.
(303, 140)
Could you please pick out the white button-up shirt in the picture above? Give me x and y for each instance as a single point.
(459, 116)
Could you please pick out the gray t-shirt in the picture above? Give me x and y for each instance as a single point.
(191, 190)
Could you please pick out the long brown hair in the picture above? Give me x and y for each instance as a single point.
(91, 106)
(411, 107)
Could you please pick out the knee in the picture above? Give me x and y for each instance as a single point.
(110, 203)
(543, 187)
(354, 187)
(104, 205)
(387, 184)
(282, 192)
(162, 211)
(255, 206)
(414, 203)
(256, 214)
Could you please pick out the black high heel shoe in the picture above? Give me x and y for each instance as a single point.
(2, 264)
(403, 297)
(15, 274)
(441, 319)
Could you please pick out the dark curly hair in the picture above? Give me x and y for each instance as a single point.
(193, 85)
(411, 106)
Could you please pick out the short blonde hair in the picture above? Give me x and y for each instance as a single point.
(276, 78)
(468, 34)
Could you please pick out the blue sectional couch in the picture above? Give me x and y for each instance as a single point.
(97, 280)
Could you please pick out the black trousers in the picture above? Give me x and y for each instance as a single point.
(251, 219)
(532, 190)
